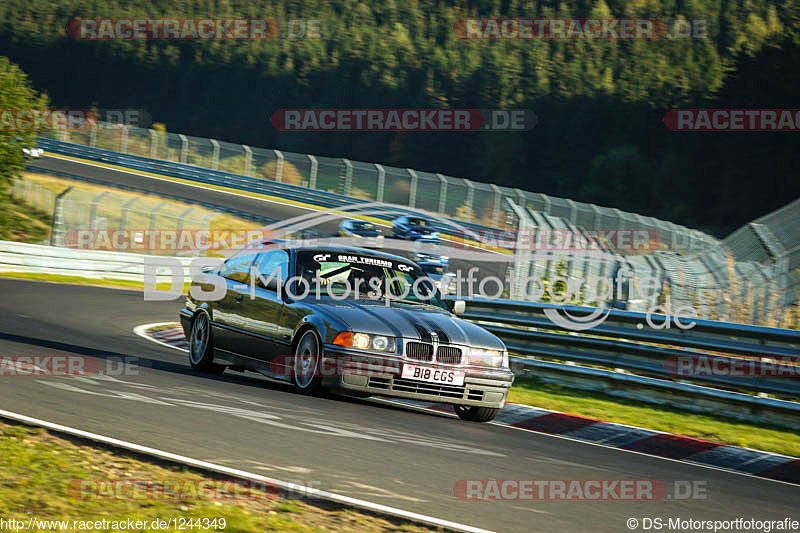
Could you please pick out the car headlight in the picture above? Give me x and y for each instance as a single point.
(481, 357)
(363, 341)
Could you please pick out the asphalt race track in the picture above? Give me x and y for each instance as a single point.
(380, 453)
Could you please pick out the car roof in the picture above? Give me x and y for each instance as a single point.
(355, 250)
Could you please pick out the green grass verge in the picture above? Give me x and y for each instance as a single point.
(39, 472)
(21, 222)
(612, 409)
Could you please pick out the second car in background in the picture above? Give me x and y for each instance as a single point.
(412, 228)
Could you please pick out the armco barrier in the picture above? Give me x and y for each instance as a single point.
(92, 264)
(624, 340)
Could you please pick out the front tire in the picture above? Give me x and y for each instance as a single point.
(476, 414)
(201, 346)
(307, 357)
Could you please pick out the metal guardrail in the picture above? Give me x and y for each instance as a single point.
(17, 257)
(246, 183)
(624, 341)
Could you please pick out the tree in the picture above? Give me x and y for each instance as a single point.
(16, 94)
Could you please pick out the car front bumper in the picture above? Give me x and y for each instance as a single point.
(382, 376)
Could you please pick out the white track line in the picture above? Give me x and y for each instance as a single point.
(320, 494)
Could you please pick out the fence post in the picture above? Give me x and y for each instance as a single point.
(123, 223)
(573, 211)
(547, 203)
(123, 139)
(63, 134)
(312, 178)
(470, 198)
(442, 193)
(248, 160)
(181, 218)
(179, 227)
(93, 211)
(278, 166)
(93, 135)
(348, 176)
(498, 195)
(620, 218)
(597, 216)
(152, 229)
(153, 144)
(521, 196)
(381, 182)
(215, 154)
(57, 231)
(412, 193)
(184, 147)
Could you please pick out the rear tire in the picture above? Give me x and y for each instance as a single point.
(476, 414)
(305, 370)
(201, 346)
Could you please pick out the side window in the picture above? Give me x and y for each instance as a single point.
(237, 268)
(268, 262)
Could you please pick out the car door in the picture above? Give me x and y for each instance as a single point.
(260, 311)
(225, 319)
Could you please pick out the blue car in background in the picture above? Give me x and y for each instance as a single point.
(412, 228)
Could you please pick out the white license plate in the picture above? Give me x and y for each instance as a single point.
(433, 375)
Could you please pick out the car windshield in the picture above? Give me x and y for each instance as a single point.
(363, 226)
(352, 276)
(418, 222)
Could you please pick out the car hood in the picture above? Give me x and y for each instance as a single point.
(409, 321)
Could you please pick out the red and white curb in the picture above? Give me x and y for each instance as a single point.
(166, 333)
(647, 441)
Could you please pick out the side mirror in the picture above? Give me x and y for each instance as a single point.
(459, 306)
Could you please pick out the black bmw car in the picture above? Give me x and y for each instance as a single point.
(351, 319)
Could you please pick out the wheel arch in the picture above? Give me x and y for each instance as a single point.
(302, 328)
